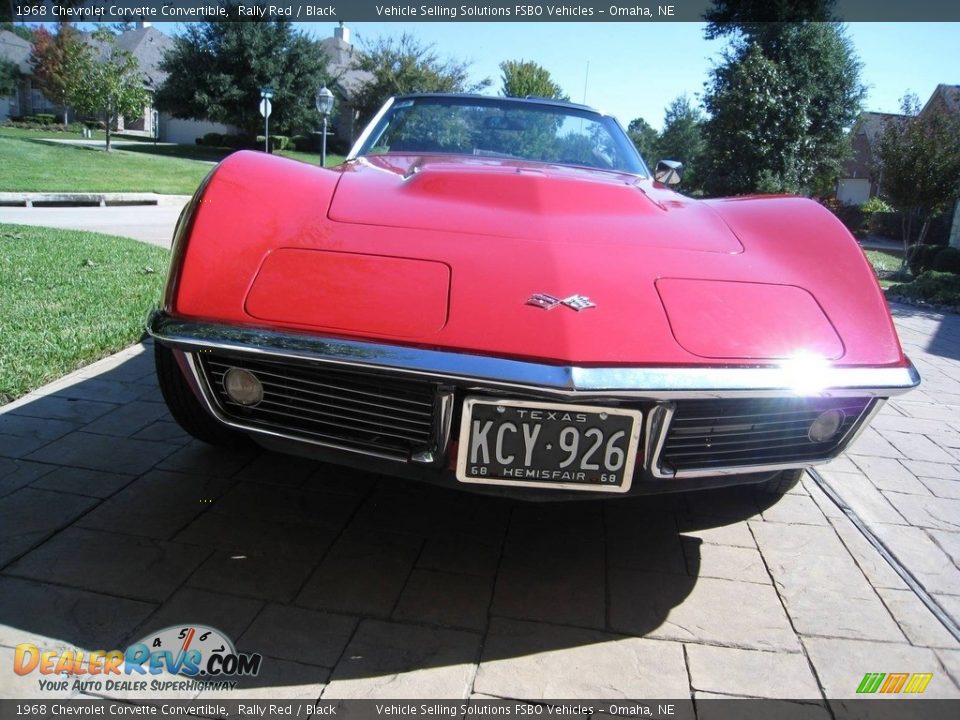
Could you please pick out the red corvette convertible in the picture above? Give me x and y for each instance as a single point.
(495, 294)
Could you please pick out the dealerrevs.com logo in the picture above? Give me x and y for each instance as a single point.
(894, 683)
(203, 655)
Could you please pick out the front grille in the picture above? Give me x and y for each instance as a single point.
(356, 409)
(705, 434)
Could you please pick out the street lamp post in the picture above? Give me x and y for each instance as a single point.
(324, 102)
(266, 107)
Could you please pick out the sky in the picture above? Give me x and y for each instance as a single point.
(635, 69)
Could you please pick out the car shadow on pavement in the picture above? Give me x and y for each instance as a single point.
(114, 525)
(944, 341)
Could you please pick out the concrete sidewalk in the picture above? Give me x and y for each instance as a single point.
(114, 524)
(153, 224)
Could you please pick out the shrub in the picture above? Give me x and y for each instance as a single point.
(277, 142)
(46, 119)
(211, 139)
(31, 125)
(875, 205)
(306, 143)
(947, 260)
(239, 141)
(921, 258)
(939, 288)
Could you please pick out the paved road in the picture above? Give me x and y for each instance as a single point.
(149, 223)
(114, 524)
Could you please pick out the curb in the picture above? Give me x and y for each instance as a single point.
(72, 199)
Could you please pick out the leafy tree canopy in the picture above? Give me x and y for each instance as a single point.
(523, 78)
(918, 164)
(403, 64)
(780, 104)
(644, 138)
(237, 59)
(104, 80)
(682, 138)
(51, 58)
(757, 17)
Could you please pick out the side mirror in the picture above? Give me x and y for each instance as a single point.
(668, 172)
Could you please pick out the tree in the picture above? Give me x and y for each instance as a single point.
(749, 16)
(780, 103)
(237, 59)
(682, 138)
(405, 65)
(105, 80)
(50, 58)
(644, 138)
(918, 167)
(523, 78)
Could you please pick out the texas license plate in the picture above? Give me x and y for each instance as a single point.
(535, 444)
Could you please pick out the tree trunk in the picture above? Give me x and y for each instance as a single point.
(108, 123)
(906, 223)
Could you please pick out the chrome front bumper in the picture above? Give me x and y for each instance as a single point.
(660, 388)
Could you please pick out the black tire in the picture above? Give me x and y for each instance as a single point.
(781, 483)
(184, 406)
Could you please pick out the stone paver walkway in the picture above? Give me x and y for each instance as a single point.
(114, 524)
(902, 477)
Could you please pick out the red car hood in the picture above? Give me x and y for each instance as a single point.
(445, 253)
(524, 200)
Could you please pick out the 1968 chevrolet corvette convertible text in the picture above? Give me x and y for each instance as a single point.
(498, 295)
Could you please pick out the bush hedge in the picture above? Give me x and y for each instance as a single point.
(947, 260)
(31, 123)
(937, 288)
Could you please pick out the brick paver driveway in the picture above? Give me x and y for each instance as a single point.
(114, 524)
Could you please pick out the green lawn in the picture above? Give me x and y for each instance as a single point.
(31, 165)
(883, 260)
(68, 299)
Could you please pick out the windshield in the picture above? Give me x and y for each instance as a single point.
(498, 127)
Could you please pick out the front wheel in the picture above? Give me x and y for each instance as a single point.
(781, 483)
(184, 406)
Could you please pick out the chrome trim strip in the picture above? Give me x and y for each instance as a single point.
(657, 425)
(559, 380)
(362, 140)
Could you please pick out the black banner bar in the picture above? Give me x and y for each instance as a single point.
(446, 10)
(875, 708)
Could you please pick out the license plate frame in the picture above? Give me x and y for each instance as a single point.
(631, 450)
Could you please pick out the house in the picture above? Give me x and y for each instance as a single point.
(148, 45)
(855, 185)
(26, 99)
(341, 61)
(946, 99)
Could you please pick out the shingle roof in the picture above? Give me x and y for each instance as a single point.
(15, 49)
(148, 45)
(950, 94)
